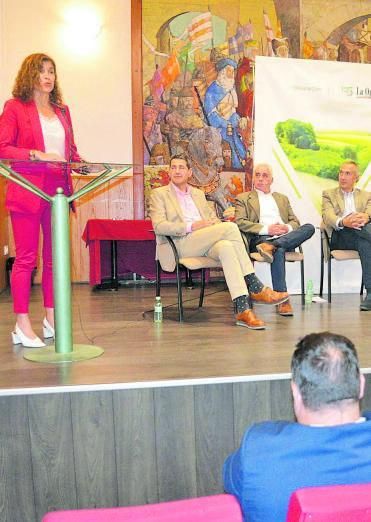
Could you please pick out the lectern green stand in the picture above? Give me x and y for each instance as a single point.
(63, 350)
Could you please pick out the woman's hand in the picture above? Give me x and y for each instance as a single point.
(47, 156)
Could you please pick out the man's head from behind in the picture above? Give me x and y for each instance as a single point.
(326, 381)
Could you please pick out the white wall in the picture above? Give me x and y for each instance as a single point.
(97, 87)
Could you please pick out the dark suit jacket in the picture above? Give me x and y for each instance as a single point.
(248, 212)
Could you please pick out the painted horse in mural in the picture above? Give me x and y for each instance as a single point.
(206, 157)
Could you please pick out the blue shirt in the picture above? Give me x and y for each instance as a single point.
(277, 458)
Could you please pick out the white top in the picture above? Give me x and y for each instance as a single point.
(349, 206)
(188, 206)
(54, 135)
(269, 213)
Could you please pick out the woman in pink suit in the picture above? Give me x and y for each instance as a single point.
(35, 126)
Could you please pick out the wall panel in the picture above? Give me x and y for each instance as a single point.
(60, 451)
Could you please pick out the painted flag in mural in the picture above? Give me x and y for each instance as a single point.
(170, 71)
(269, 34)
(244, 33)
(186, 58)
(200, 30)
(236, 43)
(155, 84)
(233, 46)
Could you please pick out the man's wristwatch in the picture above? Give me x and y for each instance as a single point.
(32, 155)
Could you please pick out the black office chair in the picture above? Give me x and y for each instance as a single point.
(290, 257)
(328, 255)
(189, 264)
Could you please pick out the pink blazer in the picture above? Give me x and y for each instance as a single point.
(20, 132)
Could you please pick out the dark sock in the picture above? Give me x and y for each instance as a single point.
(241, 304)
(253, 283)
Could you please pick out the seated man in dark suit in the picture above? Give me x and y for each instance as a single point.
(346, 211)
(271, 226)
(329, 444)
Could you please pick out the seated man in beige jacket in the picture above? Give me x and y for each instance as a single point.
(346, 211)
(182, 212)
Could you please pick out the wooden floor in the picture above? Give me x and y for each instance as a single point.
(208, 347)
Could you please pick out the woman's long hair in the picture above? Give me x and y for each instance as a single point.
(29, 75)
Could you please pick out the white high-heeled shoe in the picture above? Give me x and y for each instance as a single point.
(48, 330)
(18, 337)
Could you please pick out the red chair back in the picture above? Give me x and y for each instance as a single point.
(351, 503)
(216, 508)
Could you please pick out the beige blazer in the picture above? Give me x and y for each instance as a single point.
(168, 220)
(333, 205)
(248, 212)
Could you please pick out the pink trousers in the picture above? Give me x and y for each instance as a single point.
(26, 231)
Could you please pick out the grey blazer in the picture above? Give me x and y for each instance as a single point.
(248, 212)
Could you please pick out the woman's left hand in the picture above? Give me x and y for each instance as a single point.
(47, 156)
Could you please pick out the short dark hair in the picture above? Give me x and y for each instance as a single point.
(183, 157)
(325, 368)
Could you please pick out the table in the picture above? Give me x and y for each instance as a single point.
(118, 247)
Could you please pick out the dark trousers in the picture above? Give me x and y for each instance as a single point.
(360, 240)
(285, 243)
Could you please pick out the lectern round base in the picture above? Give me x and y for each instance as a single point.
(81, 352)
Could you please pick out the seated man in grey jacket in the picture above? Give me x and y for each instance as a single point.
(271, 226)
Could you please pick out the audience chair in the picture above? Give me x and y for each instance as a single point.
(351, 503)
(328, 255)
(202, 263)
(291, 257)
(215, 508)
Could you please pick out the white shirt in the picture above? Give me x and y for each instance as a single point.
(349, 206)
(188, 206)
(269, 212)
(54, 135)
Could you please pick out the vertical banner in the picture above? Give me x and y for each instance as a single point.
(310, 117)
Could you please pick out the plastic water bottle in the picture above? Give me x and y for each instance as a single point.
(157, 313)
(309, 293)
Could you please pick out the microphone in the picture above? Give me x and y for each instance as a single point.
(62, 108)
(83, 169)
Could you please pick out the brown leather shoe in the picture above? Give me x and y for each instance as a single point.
(266, 250)
(248, 319)
(269, 297)
(285, 309)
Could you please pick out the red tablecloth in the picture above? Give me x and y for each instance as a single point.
(136, 247)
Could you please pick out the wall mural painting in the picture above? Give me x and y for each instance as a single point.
(198, 93)
(198, 77)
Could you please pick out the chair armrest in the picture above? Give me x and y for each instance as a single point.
(245, 241)
(325, 243)
(173, 247)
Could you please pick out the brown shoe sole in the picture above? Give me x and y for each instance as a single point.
(242, 323)
(286, 314)
(275, 303)
(265, 255)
